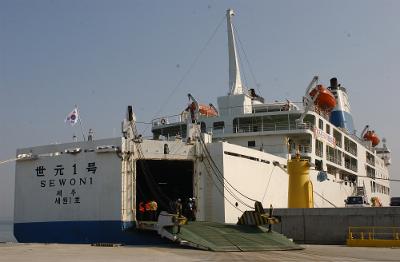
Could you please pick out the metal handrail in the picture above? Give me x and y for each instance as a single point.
(374, 233)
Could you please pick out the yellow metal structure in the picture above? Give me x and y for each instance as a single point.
(179, 220)
(258, 217)
(300, 194)
(373, 237)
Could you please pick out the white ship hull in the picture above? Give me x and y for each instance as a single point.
(91, 195)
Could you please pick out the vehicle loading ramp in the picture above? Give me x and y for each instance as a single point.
(228, 237)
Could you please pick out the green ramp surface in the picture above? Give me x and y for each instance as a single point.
(230, 237)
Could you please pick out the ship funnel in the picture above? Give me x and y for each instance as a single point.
(341, 115)
(334, 83)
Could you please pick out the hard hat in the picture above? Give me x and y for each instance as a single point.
(179, 200)
(190, 199)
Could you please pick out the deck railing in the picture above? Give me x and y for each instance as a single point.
(350, 166)
(371, 162)
(265, 127)
(334, 159)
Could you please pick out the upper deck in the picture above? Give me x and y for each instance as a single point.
(273, 128)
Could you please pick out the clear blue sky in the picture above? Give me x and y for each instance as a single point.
(104, 55)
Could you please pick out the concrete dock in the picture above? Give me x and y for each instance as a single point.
(329, 226)
(63, 252)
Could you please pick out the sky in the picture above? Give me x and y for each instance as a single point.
(104, 55)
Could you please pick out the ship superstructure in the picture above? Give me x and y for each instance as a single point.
(325, 133)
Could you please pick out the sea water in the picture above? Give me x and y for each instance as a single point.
(6, 231)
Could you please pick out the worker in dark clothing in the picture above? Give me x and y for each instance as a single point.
(194, 209)
(153, 210)
(189, 209)
(271, 211)
(178, 207)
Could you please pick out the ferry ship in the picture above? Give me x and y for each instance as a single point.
(320, 128)
(226, 158)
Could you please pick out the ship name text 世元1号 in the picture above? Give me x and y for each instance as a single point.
(63, 177)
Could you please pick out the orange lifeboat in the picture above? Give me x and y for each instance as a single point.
(325, 100)
(371, 136)
(204, 110)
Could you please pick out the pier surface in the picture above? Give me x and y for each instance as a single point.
(64, 252)
(330, 226)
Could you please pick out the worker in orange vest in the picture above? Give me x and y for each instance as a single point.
(147, 207)
(141, 210)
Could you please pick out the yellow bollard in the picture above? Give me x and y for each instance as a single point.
(300, 193)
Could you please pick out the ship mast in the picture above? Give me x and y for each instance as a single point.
(235, 82)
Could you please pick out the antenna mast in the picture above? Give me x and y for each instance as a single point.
(235, 82)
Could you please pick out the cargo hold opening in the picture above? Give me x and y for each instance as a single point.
(163, 181)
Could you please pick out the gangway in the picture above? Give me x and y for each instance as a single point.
(247, 235)
(229, 237)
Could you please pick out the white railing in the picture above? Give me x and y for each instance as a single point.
(351, 150)
(350, 166)
(263, 108)
(165, 120)
(265, 127)
(334, 159)
(230, 111)
(319, 152)
(302, 149)
(371, 162)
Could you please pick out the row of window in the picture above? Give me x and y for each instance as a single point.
(349, 145)
(335, 156)
(377, 188)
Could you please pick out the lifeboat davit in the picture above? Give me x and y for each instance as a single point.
(204, 110)
(325, 100)
(371, 136)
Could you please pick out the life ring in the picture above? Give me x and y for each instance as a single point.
(163, 121)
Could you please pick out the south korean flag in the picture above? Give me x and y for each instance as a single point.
(72, 118)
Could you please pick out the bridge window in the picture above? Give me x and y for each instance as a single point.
(318, 165)
(251, 143)
(328, 129)
(338, 137)
(219, 125)
(203, 127)
(319, 148)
